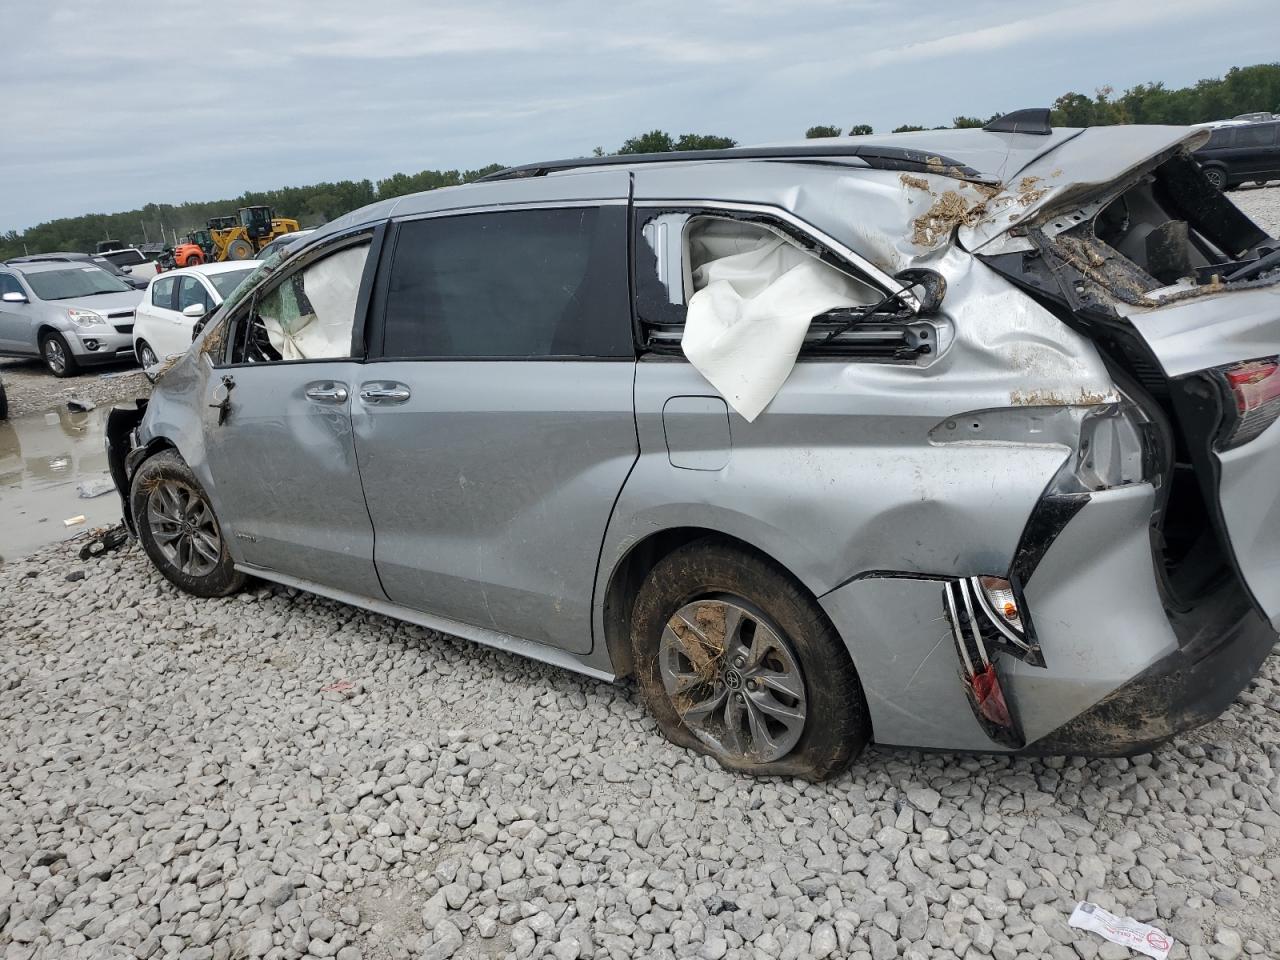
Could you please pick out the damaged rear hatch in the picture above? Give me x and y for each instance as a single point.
(1118, 231)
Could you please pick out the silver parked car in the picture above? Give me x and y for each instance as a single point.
(71, 314)
(961, 440)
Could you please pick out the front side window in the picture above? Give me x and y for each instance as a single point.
(308, 315)
(9, 284)
(1221, 137)
(163, 293)
(520, 283)
(191, 291)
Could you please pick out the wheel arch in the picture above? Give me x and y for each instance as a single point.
(44, 330)
(630, 570)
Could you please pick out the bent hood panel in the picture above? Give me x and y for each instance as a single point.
(1094, 158)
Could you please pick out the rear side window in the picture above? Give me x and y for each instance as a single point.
(521, 283)
(1256, 135)
(125, 258)
(163, 293)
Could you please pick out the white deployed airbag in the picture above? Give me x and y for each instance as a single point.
(749, 314)
(309, 316)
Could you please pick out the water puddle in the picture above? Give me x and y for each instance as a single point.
(47, 460)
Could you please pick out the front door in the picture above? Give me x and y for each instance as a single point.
(495, 425)
(278, 428)
(15, 319)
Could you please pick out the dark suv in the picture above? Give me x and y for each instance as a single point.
(1241, 153)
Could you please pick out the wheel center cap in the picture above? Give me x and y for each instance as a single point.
(733, 679)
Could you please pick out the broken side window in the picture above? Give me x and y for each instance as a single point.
(743, 296)
(308, 315)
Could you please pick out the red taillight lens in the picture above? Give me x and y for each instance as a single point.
(1256, 387)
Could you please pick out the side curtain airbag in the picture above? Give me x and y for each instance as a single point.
(309, 316)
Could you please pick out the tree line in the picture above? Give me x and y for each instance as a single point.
(1241, 90)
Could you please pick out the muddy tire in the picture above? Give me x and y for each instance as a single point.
(177, 528)
(735, 659)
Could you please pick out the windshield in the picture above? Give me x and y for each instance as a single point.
(75, 282)
(225, 283)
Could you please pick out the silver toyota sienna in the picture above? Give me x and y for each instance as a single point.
(960, 440)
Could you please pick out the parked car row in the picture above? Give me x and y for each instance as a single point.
(74, 313)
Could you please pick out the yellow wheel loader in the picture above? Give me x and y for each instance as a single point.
(241, 239)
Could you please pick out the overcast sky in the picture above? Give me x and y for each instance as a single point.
(109, 104)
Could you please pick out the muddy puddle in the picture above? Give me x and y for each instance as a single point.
(50, 463)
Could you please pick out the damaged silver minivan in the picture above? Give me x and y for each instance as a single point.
(959, 440)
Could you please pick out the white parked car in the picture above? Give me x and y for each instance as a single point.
(175, 301)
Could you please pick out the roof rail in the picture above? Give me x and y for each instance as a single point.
(877, 156)
(1032, 120)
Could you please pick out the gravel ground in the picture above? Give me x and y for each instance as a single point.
(31, 388)
(277, 775)
(1261, 203)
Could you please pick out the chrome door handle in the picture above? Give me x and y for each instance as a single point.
(327, 392)
(376, 393)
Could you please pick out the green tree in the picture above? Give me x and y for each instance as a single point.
(704, 141)
(964, 123)
(860, 130)
(907, 128)
(655, 141)
(813, 133)
(1072, 110)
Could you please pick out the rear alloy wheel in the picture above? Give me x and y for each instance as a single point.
(146, 356)
(1216, 176)
(750, 703)
(735, 659)
(178, 529)
(57, 355)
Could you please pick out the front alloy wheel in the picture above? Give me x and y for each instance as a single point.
(177, 527)
(183, 527)
(57, 355)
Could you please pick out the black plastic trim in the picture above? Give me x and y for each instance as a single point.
(875, 156)
(1033, 120)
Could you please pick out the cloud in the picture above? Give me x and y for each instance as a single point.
(1061, 24)
(108, 107)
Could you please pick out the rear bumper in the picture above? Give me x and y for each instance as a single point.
(1121, 674)
(1222, 645)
